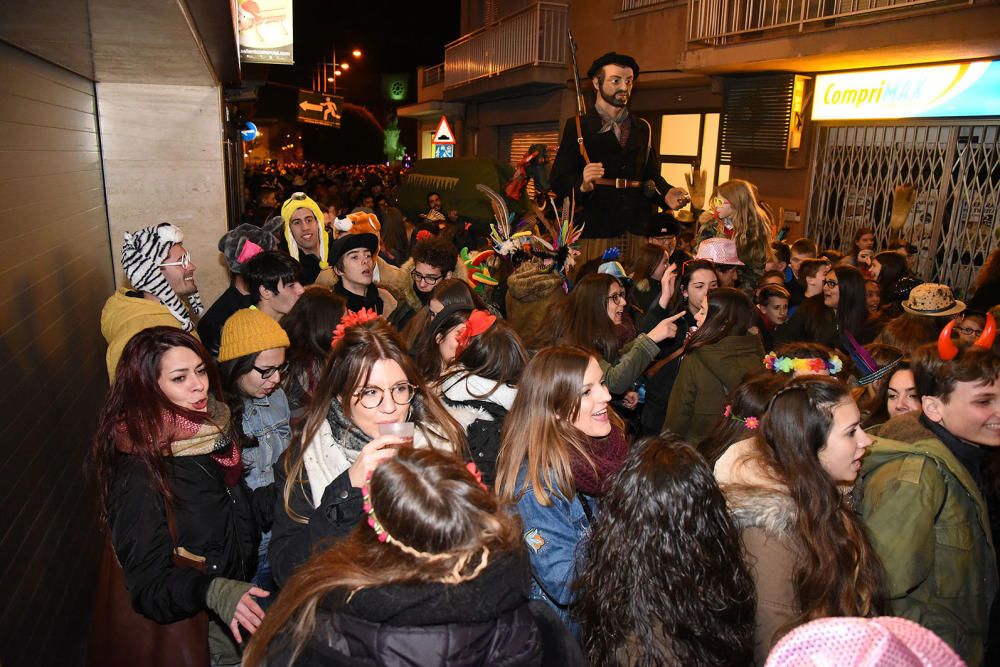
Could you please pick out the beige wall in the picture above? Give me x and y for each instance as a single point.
(163, 162)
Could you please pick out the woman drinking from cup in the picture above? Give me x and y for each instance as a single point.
(367, 382)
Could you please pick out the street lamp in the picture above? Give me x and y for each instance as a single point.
(338, 69)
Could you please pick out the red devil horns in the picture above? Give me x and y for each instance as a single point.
(985, 340)
(947, 348)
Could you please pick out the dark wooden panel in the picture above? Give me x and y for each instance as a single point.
(55, 273)
(21, 137)
(30, 164)
(34, 112)
(18, 193)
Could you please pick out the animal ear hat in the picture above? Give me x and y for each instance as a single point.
(142, 253)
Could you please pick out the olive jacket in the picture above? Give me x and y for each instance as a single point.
(929, 524)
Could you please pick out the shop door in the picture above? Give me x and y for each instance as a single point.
(955, 170)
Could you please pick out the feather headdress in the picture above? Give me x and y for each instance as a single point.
(504, 239)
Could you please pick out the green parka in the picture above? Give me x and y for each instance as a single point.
(929, 524)
(705, 378)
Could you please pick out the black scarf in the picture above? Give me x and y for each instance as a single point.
(355, 302)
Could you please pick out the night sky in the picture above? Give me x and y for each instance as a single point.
(393, 36)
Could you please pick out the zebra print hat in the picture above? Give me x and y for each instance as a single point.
(142, 253)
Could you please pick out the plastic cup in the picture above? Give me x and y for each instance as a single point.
(402, 430)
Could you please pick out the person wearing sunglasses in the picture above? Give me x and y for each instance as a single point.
(251, 367)
(367, 383)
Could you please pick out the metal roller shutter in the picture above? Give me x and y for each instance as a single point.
(518, 138)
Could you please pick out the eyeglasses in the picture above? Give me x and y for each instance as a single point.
(271, 370)
(618, 297)
(372, 397)
(184, 262)
(830, 283)
(421, 278)
(969, 331)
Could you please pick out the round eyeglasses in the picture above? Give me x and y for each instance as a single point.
(372, 397)
(618, 297)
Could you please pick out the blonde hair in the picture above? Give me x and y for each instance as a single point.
(751, 222)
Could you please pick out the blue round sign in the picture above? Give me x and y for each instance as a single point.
(249, 131)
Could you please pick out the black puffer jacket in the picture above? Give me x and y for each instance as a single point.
(221, 523)
(485, 621)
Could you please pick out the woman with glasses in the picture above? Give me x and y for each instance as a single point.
(367, 383)
(251, 366)
(588, 319)
(844, 293)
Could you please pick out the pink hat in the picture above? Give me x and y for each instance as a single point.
(862, 641)
(719, 251)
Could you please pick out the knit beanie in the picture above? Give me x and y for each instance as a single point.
(249, 331)
(142, 253)
(292, 204)
(231, 244)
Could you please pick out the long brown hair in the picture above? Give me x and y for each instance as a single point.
(349, 368)
(538, 433)
(133, 412)
(730, 313)
(751, 222)
(838, 573)
(497, 354)
(583, 318)
(426, 500)
(642, 267)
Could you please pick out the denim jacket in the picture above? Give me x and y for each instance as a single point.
(266, 419)
(553, 535)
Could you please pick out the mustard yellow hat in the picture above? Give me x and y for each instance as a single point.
(249, 331)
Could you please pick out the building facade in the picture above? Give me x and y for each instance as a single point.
(729, 86)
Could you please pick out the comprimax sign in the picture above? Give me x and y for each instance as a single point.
(960, 89)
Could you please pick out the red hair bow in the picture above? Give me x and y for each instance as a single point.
(352, 319)
(478, 322)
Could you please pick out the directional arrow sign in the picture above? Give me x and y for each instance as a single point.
(319, 109)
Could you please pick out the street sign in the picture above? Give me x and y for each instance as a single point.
(319, 109)
(444, 150)
(443, 133)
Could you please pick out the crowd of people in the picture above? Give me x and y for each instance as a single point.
(704, 446)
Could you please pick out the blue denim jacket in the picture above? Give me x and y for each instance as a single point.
(266, 419)
(554, 536)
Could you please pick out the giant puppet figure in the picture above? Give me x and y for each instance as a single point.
(607, 160)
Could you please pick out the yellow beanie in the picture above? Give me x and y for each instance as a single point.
(249, 331)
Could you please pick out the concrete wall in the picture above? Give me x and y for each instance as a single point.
(163, 162)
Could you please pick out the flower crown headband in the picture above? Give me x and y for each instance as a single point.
(352, 319)
(750, 422)
(773, 362)
(453, 577)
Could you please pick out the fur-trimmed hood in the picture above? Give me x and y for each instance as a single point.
(766, 508)
(533, 282)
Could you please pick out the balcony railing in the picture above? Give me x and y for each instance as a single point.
(536, 35)
(715, 22)
(433, 75)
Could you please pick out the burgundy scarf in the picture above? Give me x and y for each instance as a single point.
(607, 455)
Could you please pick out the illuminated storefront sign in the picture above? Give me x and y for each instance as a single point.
(962, 89)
